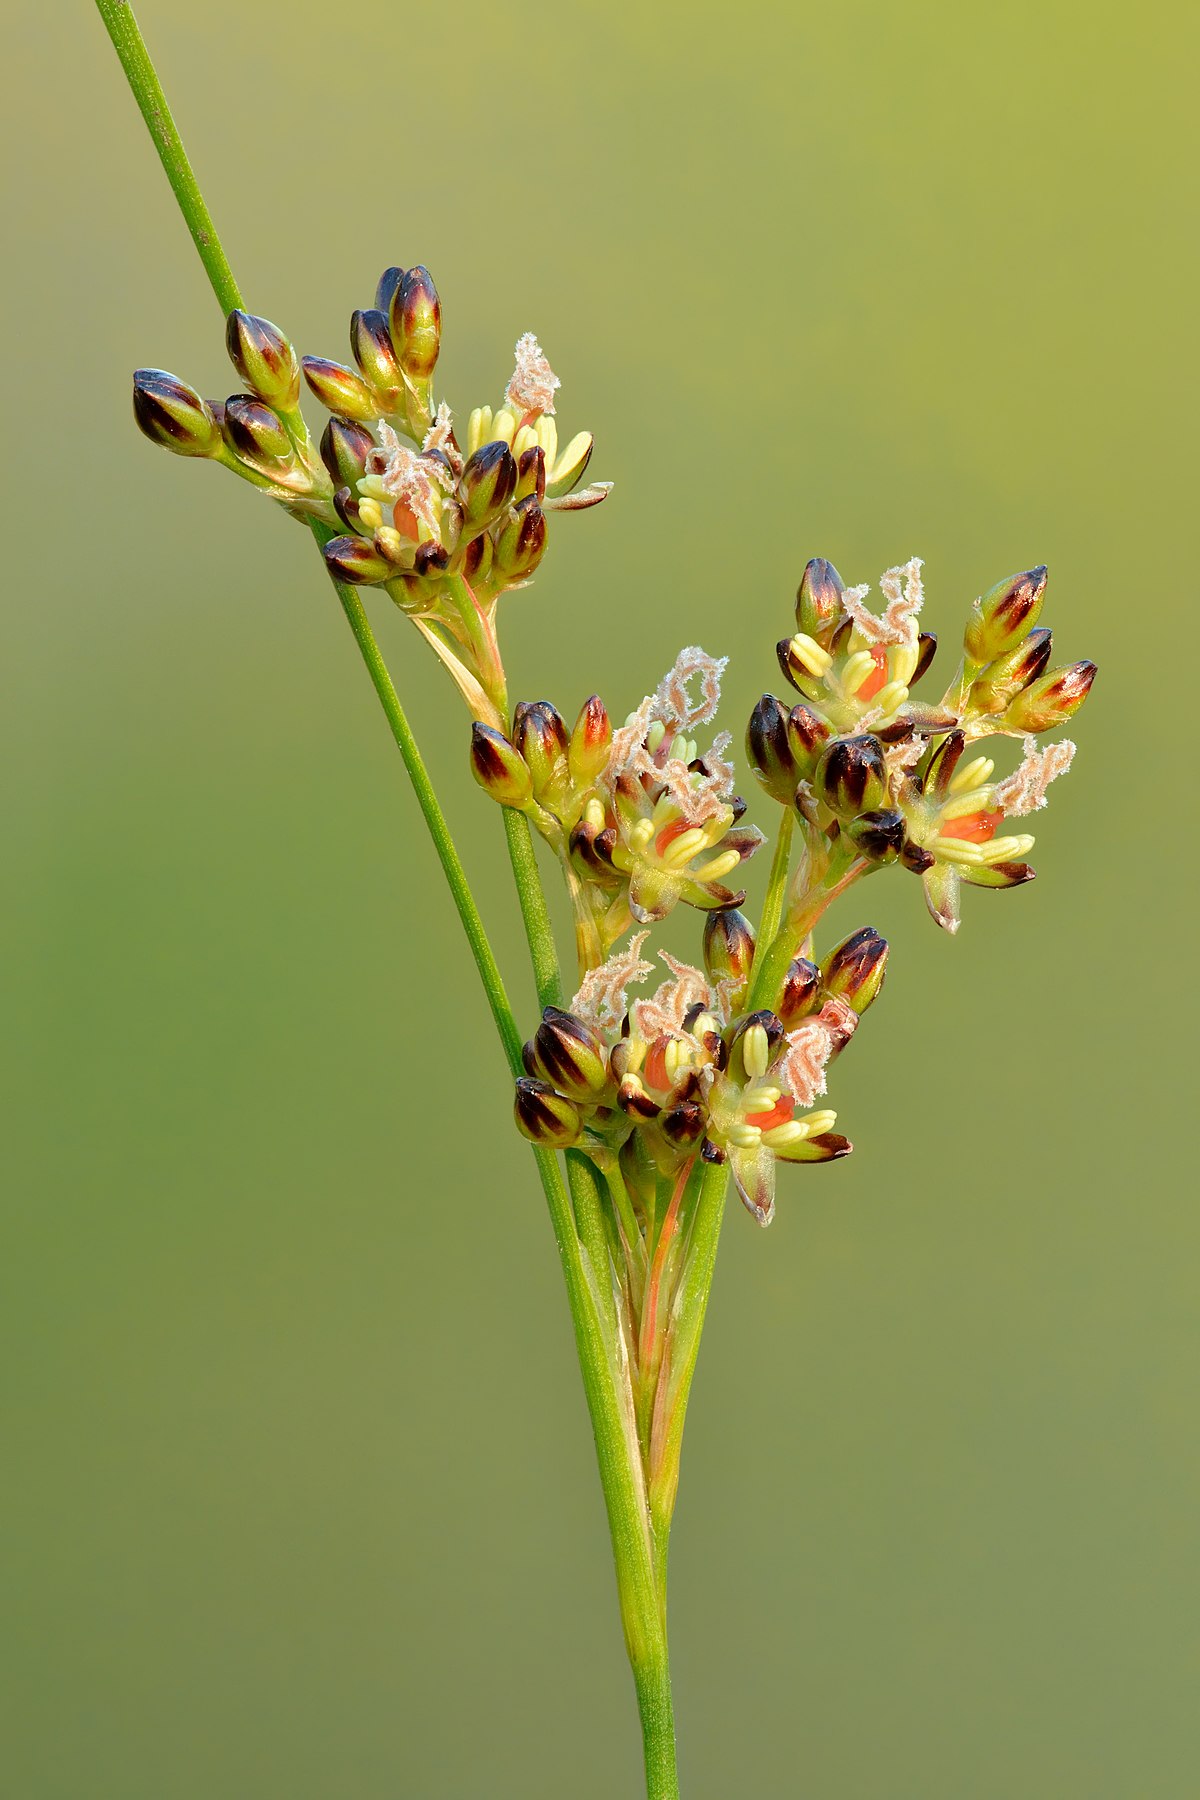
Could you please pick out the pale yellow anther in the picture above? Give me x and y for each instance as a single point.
(971, 774)
(780, 1137)
(673, 1056)
(389, 543)
(718, 868)
(370, 514)
(744, 1137)
(679, 748)
(547, 437)
(681, 849)
(1004, 848)
(963, 805)
(756, 1051)
(810, 655)
(819, 1122)
(479, 427)
(958, 850)
(856, 671)
(654, 736)
(641, 834)
(525, 440)
(665, 811)
(502, 427)
(902, 662)
(761, 1097)
(704, 1024)
(575, 454)
(891, 697)
(593, 813)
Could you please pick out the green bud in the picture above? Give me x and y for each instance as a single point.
(531, 473)
(571, 1055)
(1005, 615)
(356, 560)
(801, 992)
(340, 390)
(488, 483)
(520, 543)
(415, 317)
(375, 354)
(256, 436)
(854, 971)
(1051, 700)
(499, 768)
(1003, 679)
(728, 945)
(545, 1117)
(173, 415)
(851, 776)
(541, 737)
(878, 835)
(819, 600)
(264, 359)
(345, 448)
(589, 743)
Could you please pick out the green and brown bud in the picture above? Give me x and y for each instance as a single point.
(589, 743)
(926, 651)
(415, 316)
(540, 735)
(499, 767)
(257, 437)
(489, 482)
(854, 971)
(852, 777)
(878, 835)
(345, 448)
(819, 600)
(728, 945)
(264, 359)
(173, 415)
(571, 1055)
(801, 992)
(520, 544)
(1005, 615)
(340, 390)
(386, 289)
(356, 560)
(1001, 681)
(531, 473)
(545, 1117)
(1051, 700)
(375, 354)
(769, 749)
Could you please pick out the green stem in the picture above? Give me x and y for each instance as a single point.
(772, 911)
(142, 77)
(534, 913)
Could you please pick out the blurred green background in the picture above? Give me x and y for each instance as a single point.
(300, 1496)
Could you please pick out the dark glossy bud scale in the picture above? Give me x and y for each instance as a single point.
(173, 415)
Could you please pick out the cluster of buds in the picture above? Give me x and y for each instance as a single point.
(653, 1083)
(872, 773)
(444, 527)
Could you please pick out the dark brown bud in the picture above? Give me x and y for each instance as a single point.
(728, 945)
(531, 473)
(256, 435)
(386, 289)
(819, 600)
(769, 749)
(375, 354)
(1051, 700)
(520, 542)
(878, 835)
(499, 768)
(1005, 615)
(541, 737)
(545, 1117)
(854, 971)
(684, 1125)
(345, 448)
(1003, 679)
(264, 359)
(356, 560)
(851, 776)
(341, 390)
(416, 322)
(926, 651)
(173, 415)
(801, 991)
(489, 481)
(571, 1055)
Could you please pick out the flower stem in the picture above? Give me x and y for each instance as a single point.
(772, 911)
(534, 913)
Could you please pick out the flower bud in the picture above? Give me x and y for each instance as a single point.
(531, 473)
(1052, 699)
(173, 415)
(386, 288)
(1003, 679)
(854, 971)
(1005, 615)
(589, 744)
(415, 317)
(769, 749)
(499, 768)
(801, 992)
(356, 560)
(571, 1055)
(256, 435)
(851, 776)
(819, 600)
(684, 1125)
(545, 1117)
(264, 359)
(341, 390)
(728, 945)
(375, 354)
(489, 481)
(878, 835)
(345, 448)
(521, 542)
(541, 737)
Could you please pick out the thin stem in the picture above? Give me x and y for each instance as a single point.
(142, 77)
(534, 913)
(772, 911)
(770, 971)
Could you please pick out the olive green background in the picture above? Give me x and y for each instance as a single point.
(300, 1497)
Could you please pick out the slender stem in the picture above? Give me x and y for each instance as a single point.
(772, 911)
(769, 973)
(536, 917)
(142, 77)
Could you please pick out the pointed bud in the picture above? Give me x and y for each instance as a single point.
(1005, 615)
(375, 354)
(545, 1117)
(415, 317)
(256, 435)
(854, 971)
(531, 473)
(1051, 700)
(345, 448)
(808, 735)
(541, 737)
(728, 945)
(521, 542)
(878, 835)
(356, 560)
(590, 742)
(571, 1055)
(489, 481)
(926, 651)
(341, 390)
(499, 768)
(801, 992)
(173, 415)
(1002, 680)
(386, 289)
(769, 749)
(851, 776)
(264, 359)
(819, 600)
